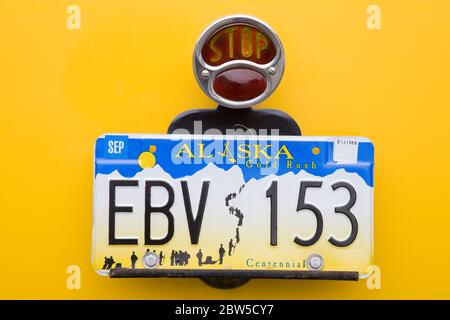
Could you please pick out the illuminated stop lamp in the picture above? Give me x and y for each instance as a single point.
(238, 61)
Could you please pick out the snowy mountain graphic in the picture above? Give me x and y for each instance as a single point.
(219, 223)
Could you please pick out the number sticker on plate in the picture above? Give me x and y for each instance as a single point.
(214, 203)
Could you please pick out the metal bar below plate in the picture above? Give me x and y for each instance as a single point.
(255, 274)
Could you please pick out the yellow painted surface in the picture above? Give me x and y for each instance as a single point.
(128, 69)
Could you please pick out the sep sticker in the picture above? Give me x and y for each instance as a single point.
(116, 147)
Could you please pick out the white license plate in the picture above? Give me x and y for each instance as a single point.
(214, 203)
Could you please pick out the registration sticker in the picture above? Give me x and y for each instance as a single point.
(213, 203)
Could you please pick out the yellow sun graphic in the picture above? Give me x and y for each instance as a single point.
(147, 159)
(315, 151)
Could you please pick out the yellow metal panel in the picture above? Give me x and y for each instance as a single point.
(128, 69)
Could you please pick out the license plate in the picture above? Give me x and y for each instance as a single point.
(204, 205)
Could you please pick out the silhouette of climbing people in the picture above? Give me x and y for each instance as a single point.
(238, 213)
(133, 259)
(161, 258)
(231, 210)
(231, 246)
(237, 235)
(109, 262)
(199, 256)
(227, 200)
(229, 197)
(221, 253)
(241, 217)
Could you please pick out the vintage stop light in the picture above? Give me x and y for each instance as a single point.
(238, 62)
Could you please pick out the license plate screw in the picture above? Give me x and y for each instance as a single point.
(150, 260)
(315, 262)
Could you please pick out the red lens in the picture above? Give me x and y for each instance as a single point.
(238, 42)
(239, 84)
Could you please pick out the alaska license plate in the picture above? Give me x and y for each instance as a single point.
(213, 203)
